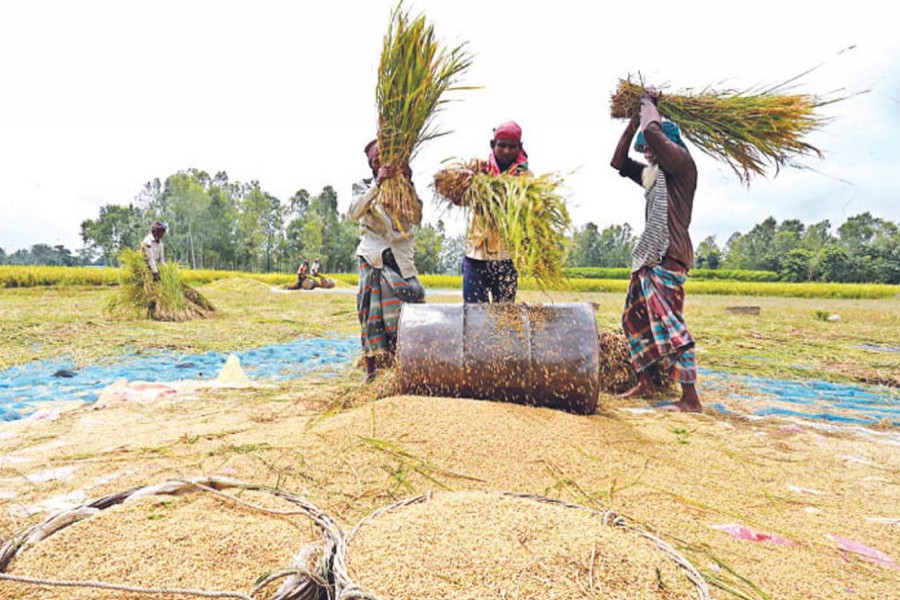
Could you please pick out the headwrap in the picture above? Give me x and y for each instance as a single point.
(669, 128)
(508, 131)
(370, 148)
(158, 225)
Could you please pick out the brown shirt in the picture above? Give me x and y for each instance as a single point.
(681, 182)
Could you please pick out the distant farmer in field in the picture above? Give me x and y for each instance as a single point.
(653, 322)
(304, 281)
(387, 273)
(488, 273)
(153, 250)
(316, 269)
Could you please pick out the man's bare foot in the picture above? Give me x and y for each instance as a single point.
(639, 391)
(682, 406)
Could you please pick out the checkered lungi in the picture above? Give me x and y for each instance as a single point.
(378, 302)
(654, 324)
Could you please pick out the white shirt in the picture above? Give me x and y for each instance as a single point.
(153, 252)
(378, 232)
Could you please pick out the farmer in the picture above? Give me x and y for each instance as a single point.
(387, 273)
(653, 322)
(153, 251)
(488, 273)
(152, 248)
(316, 269)
(304, 281)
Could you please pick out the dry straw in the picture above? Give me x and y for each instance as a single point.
(414, 74)
(749, 130)
(169, 299)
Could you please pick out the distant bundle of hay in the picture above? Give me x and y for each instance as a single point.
(178, 535)
(529, 213)
(414, 73)
(489, 545)
(170, 298)
(749, 130)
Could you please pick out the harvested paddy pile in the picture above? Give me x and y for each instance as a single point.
(189, 541)
(676, 476)
(238, 284)
(468, 545)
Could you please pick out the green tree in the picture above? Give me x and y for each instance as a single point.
(616, 243)
(708, 254)
(585, 249)
(115, 228)
(797, 265)
(428, 243)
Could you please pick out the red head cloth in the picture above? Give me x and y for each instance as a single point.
(371, 148)
(508, 131)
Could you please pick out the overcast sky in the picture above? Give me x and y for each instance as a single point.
(97, 97)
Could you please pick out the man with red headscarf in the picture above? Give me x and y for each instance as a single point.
(387, 272)
(488, 273)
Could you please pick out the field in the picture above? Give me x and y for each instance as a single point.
(352, 448)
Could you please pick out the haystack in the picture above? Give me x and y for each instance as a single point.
(169, 299)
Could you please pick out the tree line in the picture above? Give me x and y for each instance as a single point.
(215, 223)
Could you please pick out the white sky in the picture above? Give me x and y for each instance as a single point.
(97, 97)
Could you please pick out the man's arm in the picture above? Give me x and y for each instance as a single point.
(627, 167)
(363, 196)
(670, 156)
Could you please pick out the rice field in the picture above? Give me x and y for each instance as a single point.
(693, 480)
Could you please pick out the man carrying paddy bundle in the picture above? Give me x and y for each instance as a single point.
(154, 253)
(387, 273)
(153, 250)
(488, 273)
(653, 322)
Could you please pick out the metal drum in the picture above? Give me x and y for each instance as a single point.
(536, 354)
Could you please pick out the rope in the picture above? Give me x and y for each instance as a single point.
(124, 588)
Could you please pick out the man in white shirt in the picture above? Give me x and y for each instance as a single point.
(387, 272)
(152, 248)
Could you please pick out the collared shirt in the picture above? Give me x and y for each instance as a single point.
(378, 232)
(153, 252)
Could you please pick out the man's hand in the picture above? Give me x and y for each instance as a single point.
(652, 94)
(384, 172)
(156, 277)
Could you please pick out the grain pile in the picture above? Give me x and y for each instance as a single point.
(197, 541)
(466, 545)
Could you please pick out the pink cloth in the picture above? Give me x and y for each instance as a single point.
(508, 131)
(878, 557)
(494, 169)
(744, 533)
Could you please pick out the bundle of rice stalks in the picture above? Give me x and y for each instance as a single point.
(531, 216)
(616, 373)
(414, 73)
(169, 299)
(451, 183)
(749, 130)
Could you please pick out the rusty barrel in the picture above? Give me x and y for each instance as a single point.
(536, 354)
